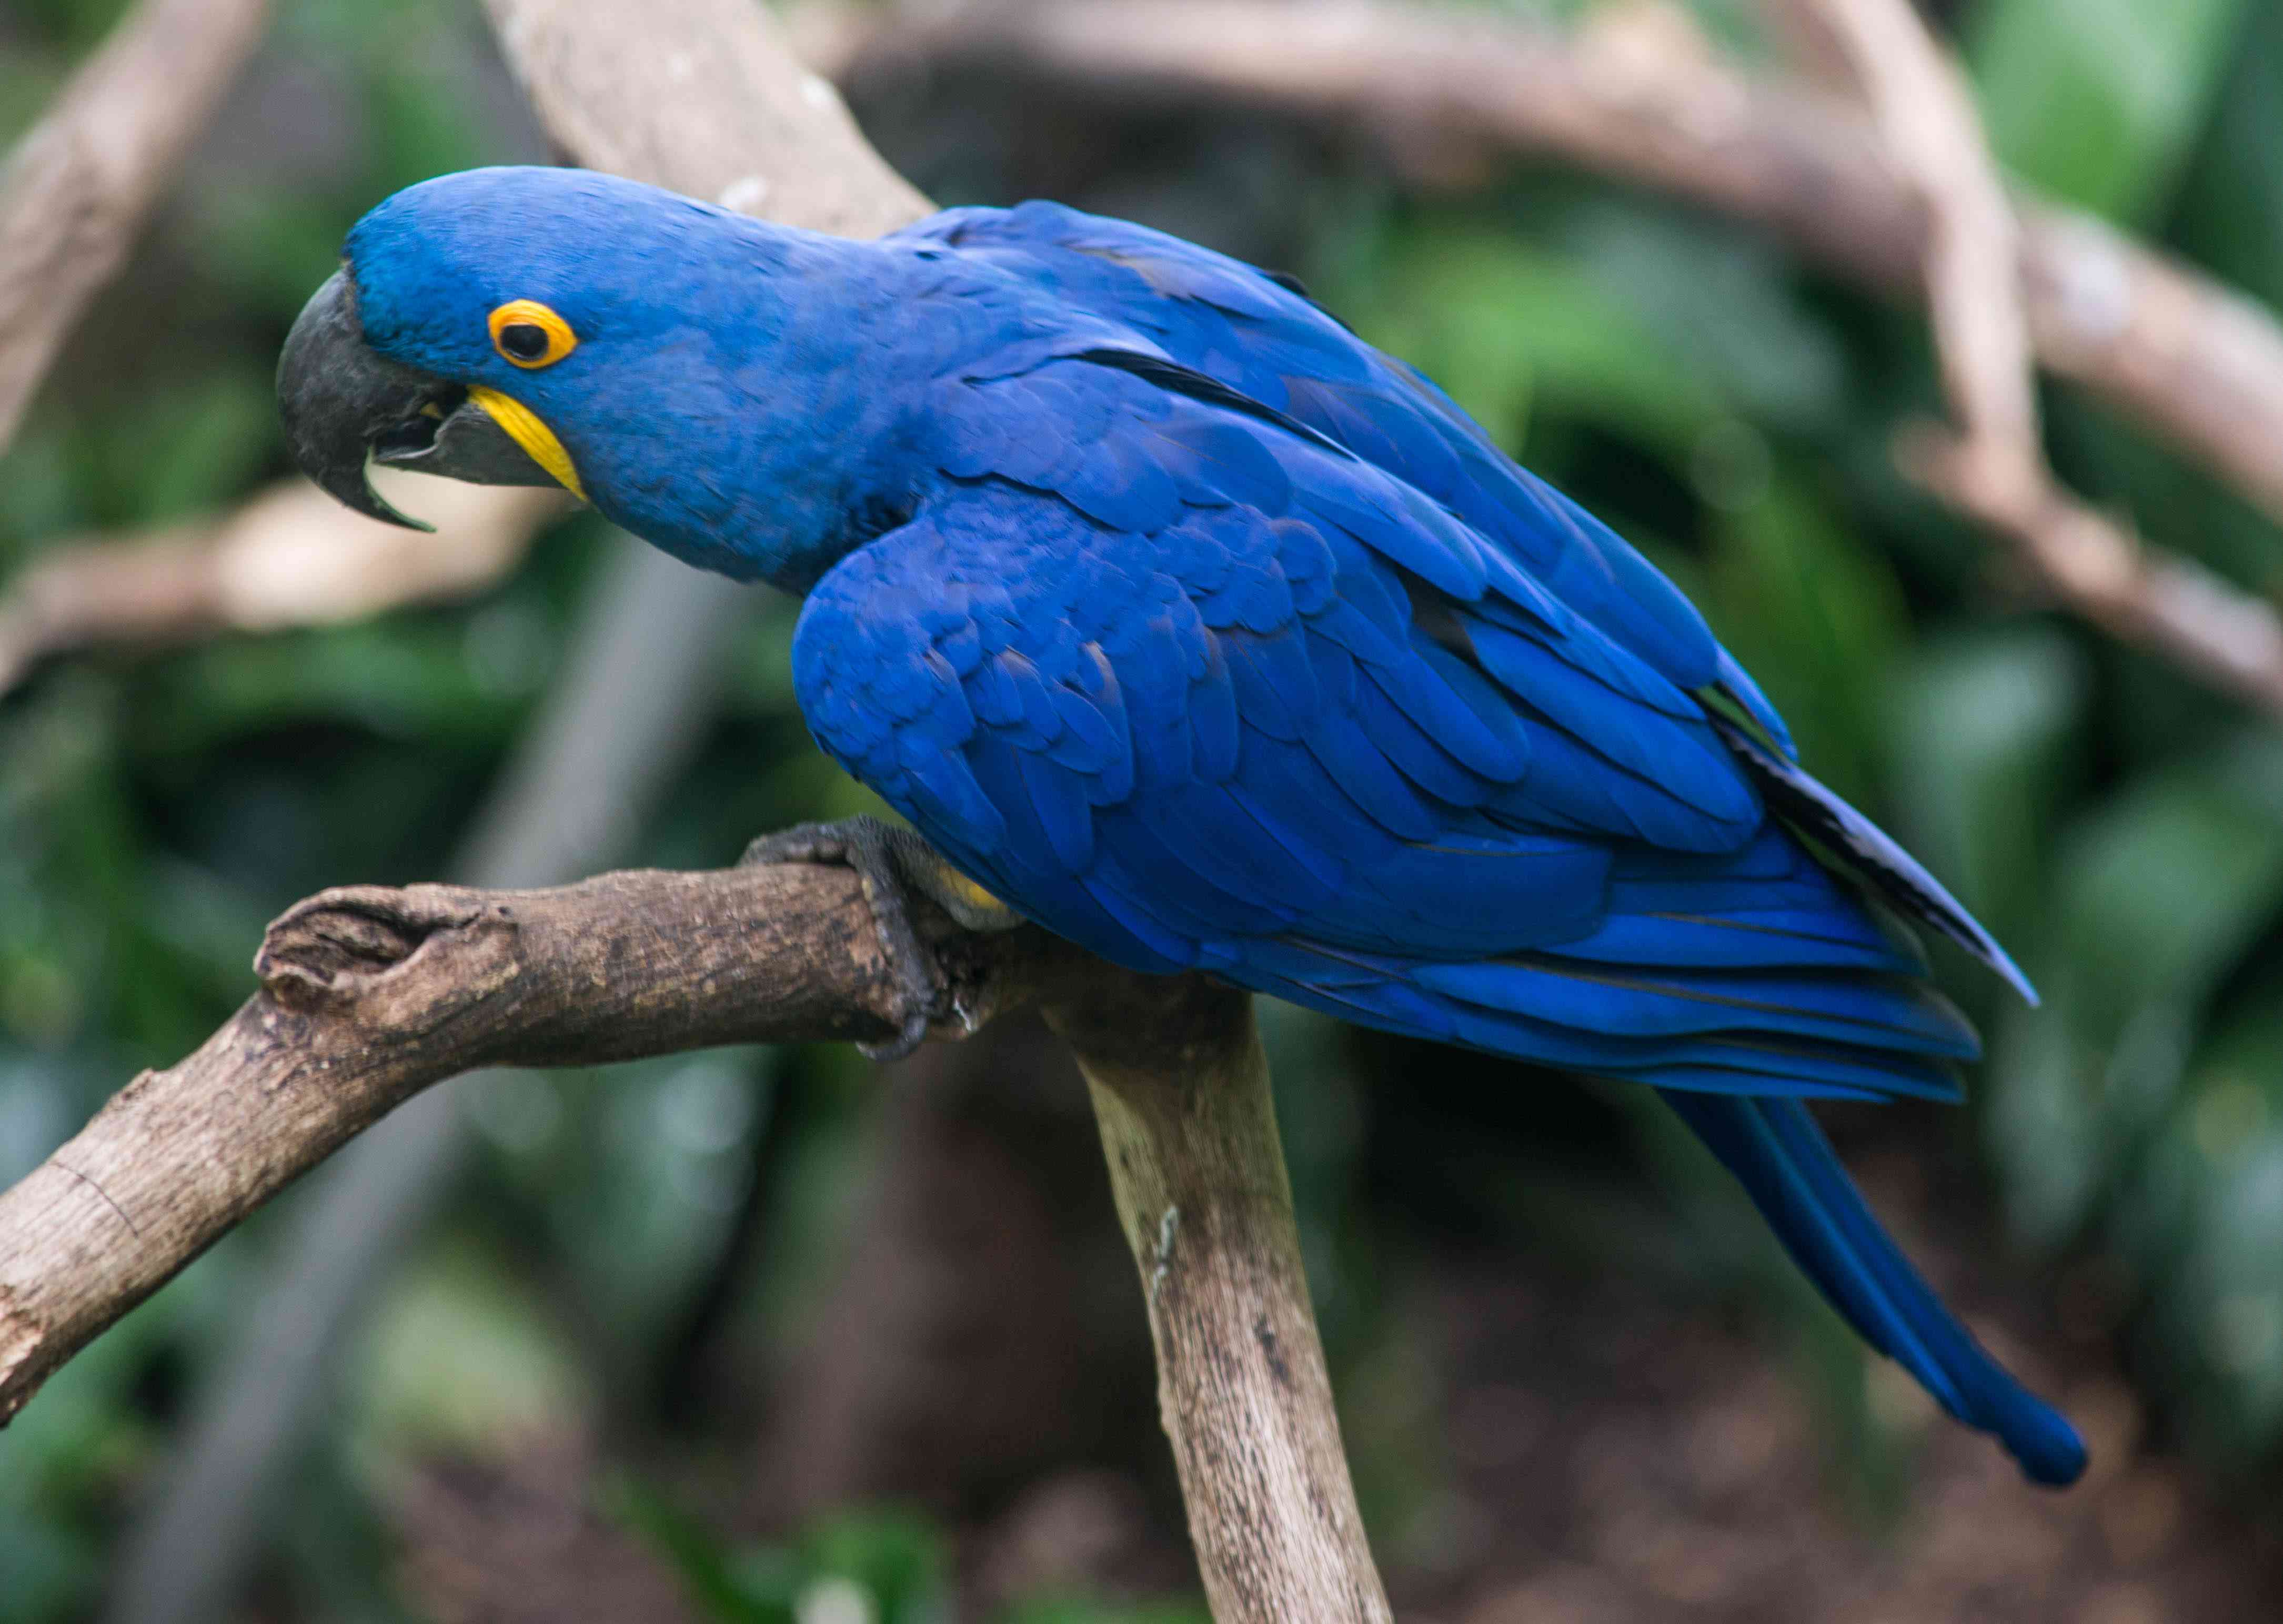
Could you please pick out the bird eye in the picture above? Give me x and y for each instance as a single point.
(529, 334)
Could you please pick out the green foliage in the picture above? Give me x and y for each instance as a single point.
(2098, 100)
(880, 1567)
(874, 1567)
(2157, 894)
(1987, 723)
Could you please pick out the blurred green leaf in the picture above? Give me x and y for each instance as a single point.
(2163, 889)
(717, 1581)
(1496, 320)
(459, 1358)
(1084, 1609)
(66, 1459)
(1979, 732)
(2160, 891)
(2229, 211)
(1816, 617)
(1725, 310)
(874, 1566)
(2098, 100)
(2199, 1223)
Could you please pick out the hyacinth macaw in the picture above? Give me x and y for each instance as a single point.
(1179, 620)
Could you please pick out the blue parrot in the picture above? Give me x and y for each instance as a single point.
(1178, 619)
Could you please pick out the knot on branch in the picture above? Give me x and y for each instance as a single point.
(336, 949)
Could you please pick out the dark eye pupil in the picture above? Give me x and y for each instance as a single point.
(523, 340)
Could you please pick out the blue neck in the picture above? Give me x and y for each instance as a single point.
(784, 445)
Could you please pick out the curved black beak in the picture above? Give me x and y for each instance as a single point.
(343, 405)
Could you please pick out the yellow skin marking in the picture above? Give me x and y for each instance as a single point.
(537, 439)
(981, 900)
(512, 326)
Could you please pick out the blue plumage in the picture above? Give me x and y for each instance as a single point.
(1209, 637)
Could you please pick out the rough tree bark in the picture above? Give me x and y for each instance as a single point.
(369, 995)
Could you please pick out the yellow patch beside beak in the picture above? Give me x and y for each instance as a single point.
(538, 441)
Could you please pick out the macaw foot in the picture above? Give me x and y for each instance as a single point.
(893, 863)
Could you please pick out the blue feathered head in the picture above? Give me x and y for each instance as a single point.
(710, 381)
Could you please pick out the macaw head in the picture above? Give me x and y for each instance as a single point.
(696, 374)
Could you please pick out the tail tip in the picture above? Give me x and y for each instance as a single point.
(2049, 1451)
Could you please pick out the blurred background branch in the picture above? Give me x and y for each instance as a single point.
(292, 556)
(1639, 92)
(78, 186)
(1994, 468)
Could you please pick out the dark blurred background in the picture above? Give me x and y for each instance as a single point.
(764, 1334)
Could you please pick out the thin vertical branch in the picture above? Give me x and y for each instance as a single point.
(1181, 1090)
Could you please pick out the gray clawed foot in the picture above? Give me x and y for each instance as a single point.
(892, 863)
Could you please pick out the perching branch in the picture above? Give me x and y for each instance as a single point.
(1644, 99)
(368, 996)
(1181, 1090)
(631, 697)
(76, 188)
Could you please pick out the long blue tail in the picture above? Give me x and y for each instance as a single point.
(1775, 1149)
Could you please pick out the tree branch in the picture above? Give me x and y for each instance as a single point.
(290, 556)
(1181, 1090)
(725, 113)
(1993, 467)
(77, 186)
(632, 693)
(369, 995)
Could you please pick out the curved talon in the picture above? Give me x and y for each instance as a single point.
(876, 851)
(901, 1046)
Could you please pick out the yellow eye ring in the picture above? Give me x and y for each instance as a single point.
(527, 334)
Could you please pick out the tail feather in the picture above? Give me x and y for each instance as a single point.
(1867, 850)
(1777, 1151)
